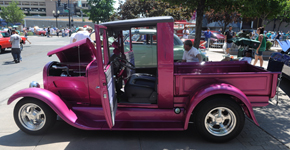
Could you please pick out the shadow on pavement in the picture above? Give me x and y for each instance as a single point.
(64, 136)
(275, 118)
(8, 63)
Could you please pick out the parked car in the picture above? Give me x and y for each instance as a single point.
(191, 37)
(91, 90)
(217, 39)
(4, 41)
(145, 47)
(40, 31)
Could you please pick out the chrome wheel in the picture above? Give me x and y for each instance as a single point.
(220, 121)
(31, 117)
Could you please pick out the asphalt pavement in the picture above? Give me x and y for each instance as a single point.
(273, 132)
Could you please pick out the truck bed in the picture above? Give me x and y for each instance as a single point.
(256, 83)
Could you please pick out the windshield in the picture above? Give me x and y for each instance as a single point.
(5, 34)
(177, 40)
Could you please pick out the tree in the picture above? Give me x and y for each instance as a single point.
(150, 8)
(261, 9)
(284, 16)
(12, 13)
(201, 6)
(99, 10)
(224, 17)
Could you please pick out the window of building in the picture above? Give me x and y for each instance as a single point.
(25, 3)
(41, 3)
(34, 3)
(7, 2)
(42, 9)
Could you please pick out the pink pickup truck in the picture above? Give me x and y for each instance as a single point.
(91, 89)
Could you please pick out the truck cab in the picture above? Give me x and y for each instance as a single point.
(92, 88)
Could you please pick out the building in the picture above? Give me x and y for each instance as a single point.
(46, 7)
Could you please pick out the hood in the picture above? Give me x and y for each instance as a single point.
(81, 51)
(219, 36)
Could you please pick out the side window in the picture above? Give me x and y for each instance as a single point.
(154, 39)
(144, 39)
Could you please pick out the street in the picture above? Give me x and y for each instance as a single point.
(273, 133)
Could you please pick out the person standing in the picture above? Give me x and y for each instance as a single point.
(269, 35)
(228, 39)
(9, 31)
(51, 31)
(15, 48)
(48, 31)
(277, 38)
(185, 33)
(262, 46)
(25, 35)
(62, 32)
(207, 35)
(73, 35)
(57, 32)
(191, 54)
(83, 35)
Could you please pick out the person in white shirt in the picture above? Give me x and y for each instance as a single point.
(191, 54)
(15, 40)
(247, 58)
(185, 33)
(83, 35)
(73, 35)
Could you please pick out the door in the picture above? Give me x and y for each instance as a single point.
(107, 84)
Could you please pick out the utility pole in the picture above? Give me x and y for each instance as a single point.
(68, 17)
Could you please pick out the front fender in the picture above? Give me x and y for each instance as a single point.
(52, 100)
(216, 89)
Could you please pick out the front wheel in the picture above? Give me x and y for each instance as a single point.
(219, 119)
(33, 116)
(2, 50)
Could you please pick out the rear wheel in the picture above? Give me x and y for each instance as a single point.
(33, 116)
(2, 50)
(219, 119)
(42, 34)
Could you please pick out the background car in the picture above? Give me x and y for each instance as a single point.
(4, 41)
(40, 31)
(144, 44)
(217, 39)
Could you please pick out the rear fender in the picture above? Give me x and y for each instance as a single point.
(52, 100)
(220, 89)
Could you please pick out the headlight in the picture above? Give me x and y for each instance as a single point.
(34, 84)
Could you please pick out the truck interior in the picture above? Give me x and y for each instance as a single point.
(132, 85)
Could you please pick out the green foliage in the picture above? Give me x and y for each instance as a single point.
(12, 13)
(224, 17)
(150, 8)
(284, 16)
(100, 10)
(261, 8)
(30, 33)
(268, 45)
(201, 6)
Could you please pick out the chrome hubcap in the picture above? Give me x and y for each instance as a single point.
(220, 121)
(32, 117)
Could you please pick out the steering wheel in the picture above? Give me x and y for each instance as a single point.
(124, 62)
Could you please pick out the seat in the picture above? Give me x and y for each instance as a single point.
(141, 88)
